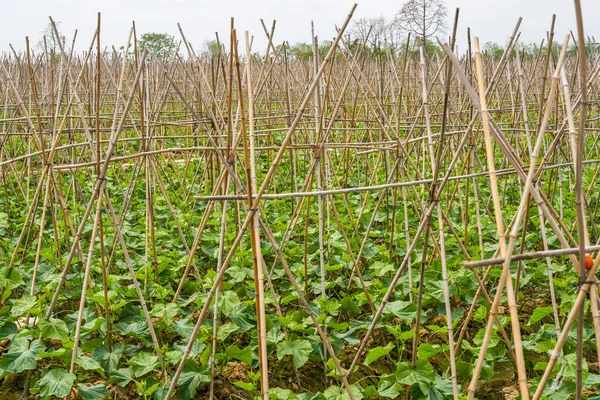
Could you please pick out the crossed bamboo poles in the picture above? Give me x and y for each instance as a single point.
(224, 134)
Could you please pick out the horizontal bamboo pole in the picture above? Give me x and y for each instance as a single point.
(530, 256)
(279, 196)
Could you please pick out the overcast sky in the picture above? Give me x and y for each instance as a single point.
(491, 20)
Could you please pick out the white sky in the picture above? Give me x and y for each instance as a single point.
(491, 20)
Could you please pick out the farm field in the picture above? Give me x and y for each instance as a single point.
(357, 223)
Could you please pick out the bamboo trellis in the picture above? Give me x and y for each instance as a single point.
(231, 149)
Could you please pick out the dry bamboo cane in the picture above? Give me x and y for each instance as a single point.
(98, 157)
(523, 99)
(216, 306)
(579, 195)
(441, 220)
(265, 227)
(550, 273)
(319, 160)
(255, 239)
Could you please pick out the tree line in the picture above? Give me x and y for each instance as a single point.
(417, 23)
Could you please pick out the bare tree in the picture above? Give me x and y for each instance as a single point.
(49, 41)
(423, 18)
(373, 30)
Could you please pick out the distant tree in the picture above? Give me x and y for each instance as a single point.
(493, 50)
(324, 48)
(375, 33)
(423, 18)
(159, 45)
(431, 49)
(529, 50)
(371, 30)
(210, 49)
(590, 47)
(49, 41)
(301, 51)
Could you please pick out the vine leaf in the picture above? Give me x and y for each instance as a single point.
(378, 352)
(95, 392)
(54, 328)
(423, 375)
(22, 355)
(142, 363)
(298, 349)
(57, 382)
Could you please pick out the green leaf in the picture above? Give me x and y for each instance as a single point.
(8, 330)
(142, 363)
(406, 310)
(225, 330)
(348, 304)
(299, 349)
(92, 326)
(191, 379)
(88, 363)
(147, 387)
(110, 358)
(95, 392)
(244, 355)
(53, 354)
(184, 328)
(480, 314)
(427, 351)
(338, 393)
(388, 388)
(423, 375)
(538, 314)
(243, 316)
(564, 392)
(23, 305)
(281, 394)
(165, 311)
(57, 382)
(381, 268)
(121, 376)
(441, 389)
(10, 278)
(275, 336)
(378, 352)
(54, 328)
(569, 363)
(438, 329)
(247, 386)
(399, 334)
(22, 355)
